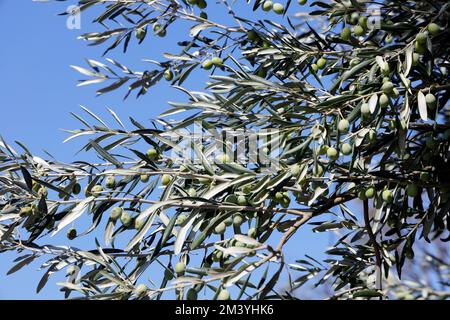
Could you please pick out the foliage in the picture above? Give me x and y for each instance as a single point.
(360, 117)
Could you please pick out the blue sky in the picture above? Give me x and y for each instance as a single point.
(39, 91)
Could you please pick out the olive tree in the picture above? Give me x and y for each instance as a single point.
(332, 117)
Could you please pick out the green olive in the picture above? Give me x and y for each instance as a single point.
(358, 31)
(141, 33)
(346, 149)
(267, 5)
(370, 192)
(116, 213)
(420, 48)
(152, 154)
(384, 100)
(126, 219)
(180, 268)
(412, 190)
(362, 195)
(223, 295)
(433, 29)
(296, 170)
(431, 101)
(165, 179)
(110, 182)
(238, 219)
(252, 232)
(387, 87)
(220, 228)
(168, 75)
(217, 255)
(278, 8)
(318, 170)
(217, 61)
(421, 38)
(343, 126)
(332, 154)
(252, 35)
(96, 190)
(387, 196)
(321, 63)
(425, 176)
(192, 192)
(242, 201)
(139, 224)
(279, 196)
(362, 21)
(180, 219)
(207, 64)
(365, 109)
(345, 34)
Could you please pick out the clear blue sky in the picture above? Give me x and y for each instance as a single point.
(38, 91)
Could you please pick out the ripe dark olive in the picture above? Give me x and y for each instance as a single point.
(202, 4)
(76, 189)
(71, 233)
(191, 294)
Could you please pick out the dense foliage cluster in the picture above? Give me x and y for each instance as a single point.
(357, 92)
